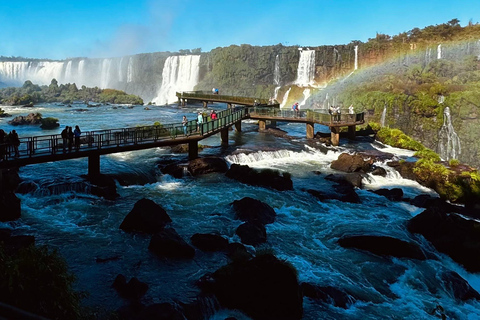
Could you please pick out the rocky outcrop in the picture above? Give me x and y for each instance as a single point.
(451, 234)
(147, 217)
(207, 165)
(394, 194)
(383, 246)
(133, 289)
(209, 242)
(354, 178)
(264, 178)
(9, 203)
(459, 287)
(343, 192)
(31, 118)
(352, 163)
(103, 186)
(328, 294)
(253, 210)
(168, 244)
(252, 233)
(263, 288)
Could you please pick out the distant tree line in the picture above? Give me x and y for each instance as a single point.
(64, 93)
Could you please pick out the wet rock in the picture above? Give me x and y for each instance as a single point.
(352, 163)
(383, 246)
(31, 118)
(328, 294)
(26, 187)
(207, 165)
(168, 244)
(176, 170)
(252, 233)
(103, 186)
(237, 251)
(264, 178)
(404, 168)
(263, 288)
(354, 178)
(253, 210)
(459, 287)
(379, 171)
(11, 207)
(134, 289)
(344, 193)
(146, 216)
(394, 194)
(451, 234)
(209, 242)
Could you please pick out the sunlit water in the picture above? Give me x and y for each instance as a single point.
(84, 227)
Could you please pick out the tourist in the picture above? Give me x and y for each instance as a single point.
(64, 135)
(185, 124)
(213, 115)
(3, 149)
(199, 120)
(77, 134)
(70, 139)
(351, 112)
(15, 141)
(337, 113)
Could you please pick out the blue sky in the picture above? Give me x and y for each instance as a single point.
(89, 28)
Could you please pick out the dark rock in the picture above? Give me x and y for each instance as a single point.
(207, 165)
(404, 168)
(252, 233)
(120, 283)
(354, 178)
(237, 251)
(209, 242)
(176, 170)
(32, 118)
(11, 207)
(345, 193)
(377, 155)
(379, 171)
(264, 178)
(383, 246)
(253, 210)
(130, 311)
(201, 308)
(459, 287)
(15, 243)
(263, 288)
(26, 187)
(160, 311)
(352, 163)
(146, 216)
(103, 260)
(103, 186)
(451, 234)
(328, 294)
(168, 244)
(394, 194)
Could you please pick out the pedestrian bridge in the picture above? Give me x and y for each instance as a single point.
(93, 144)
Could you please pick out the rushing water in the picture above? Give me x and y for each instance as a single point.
(306, 68)
(84, 227)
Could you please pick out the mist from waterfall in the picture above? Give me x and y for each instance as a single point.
(180, 73)
(306, 95)
(306, 68)
(448, 141)
(285, 98)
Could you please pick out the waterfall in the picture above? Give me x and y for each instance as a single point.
(180, 73)
(306, 68)
(428, 54)
(306, 95)
(276, 71)
(105, 73)
(439, 51)
(130, 70)
(285, 98)
(356, 58)
(120, 70)
(275, 93)
(384, 113)
(448, 141)
(81, 72)
(68, 72)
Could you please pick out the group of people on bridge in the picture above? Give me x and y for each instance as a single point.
(68, 138)
(200, 120)
(9, 144)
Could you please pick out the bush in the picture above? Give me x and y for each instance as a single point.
(427, 154)
(38, 281)
(49, 123)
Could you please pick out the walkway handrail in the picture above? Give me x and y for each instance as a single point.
(207, 96)
(324, 117)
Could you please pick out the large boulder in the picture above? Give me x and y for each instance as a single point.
(11, 207)
(328, 294)
(451, 234)
(207, 165)
(133, 289)
(253, 210)
(146, 216)
(263, 288)
(459, 287)
(168, 244)
(394, 194)
(383, 246)
(103, 186)
(342, 192)
(209, 242)
(31, 118)
(352, 163)
(252, 233)
(263, 178)
(354, 178)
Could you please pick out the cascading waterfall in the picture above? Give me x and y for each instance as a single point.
(356, 58)
(306, 68)
(120, 70)
(306, 95)
(448, 140)
(439, 51)
(105, 80)
(68, 72)
(130, 70)
(285, 98)
(180, 73)
(384, 113)
(276, 71)
(428, 55)
(81, 71)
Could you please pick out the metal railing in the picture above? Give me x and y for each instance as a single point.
(208, 96)
(308, 115)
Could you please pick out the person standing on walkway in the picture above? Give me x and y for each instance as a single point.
(70, 139)
(77, 134)
(64, 135)
(15, 142)
(185, 124)
(199, 121)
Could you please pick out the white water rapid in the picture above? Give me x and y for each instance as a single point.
(439, 51)
(306, 68)
(382, 119)
(448, 140)
(356, 58)
(180, 73)
(285, 98)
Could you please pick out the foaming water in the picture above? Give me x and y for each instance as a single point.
(85, 228)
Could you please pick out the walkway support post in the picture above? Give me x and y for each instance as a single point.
(229, 106)
(205, 104)
(310, 130)
(335, 135)
(351, 132)
(93, 165)
(262, 124)
(192, 150)
(224, 136)
(238, 126)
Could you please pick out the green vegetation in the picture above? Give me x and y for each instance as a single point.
(49, 123)
(395, 138)
(37, 280)
(65, 93)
